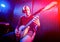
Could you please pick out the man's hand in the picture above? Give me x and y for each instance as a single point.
(17, 33)
(36, 21)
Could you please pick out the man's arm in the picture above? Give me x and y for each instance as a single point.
(17, 33)
(19, 23)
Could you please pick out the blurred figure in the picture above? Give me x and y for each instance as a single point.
(27, 26)
(26, 29)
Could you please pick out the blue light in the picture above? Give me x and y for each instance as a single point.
(2, 5)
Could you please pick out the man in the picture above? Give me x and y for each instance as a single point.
(27, 34)
(22, 34)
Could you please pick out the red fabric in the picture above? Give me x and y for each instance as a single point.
(24, 20)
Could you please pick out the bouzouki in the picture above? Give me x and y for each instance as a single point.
(23, 29)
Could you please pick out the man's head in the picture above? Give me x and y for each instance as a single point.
(26, 9)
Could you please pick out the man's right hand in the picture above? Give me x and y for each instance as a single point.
(17, 33)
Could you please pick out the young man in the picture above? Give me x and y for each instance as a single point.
(27, 26)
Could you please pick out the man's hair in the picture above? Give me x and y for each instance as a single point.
(24, 8)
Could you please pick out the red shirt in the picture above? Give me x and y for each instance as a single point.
(24, 20)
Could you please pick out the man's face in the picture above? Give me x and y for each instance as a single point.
(26, 10)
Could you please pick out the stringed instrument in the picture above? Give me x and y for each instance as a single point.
(23, 29)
